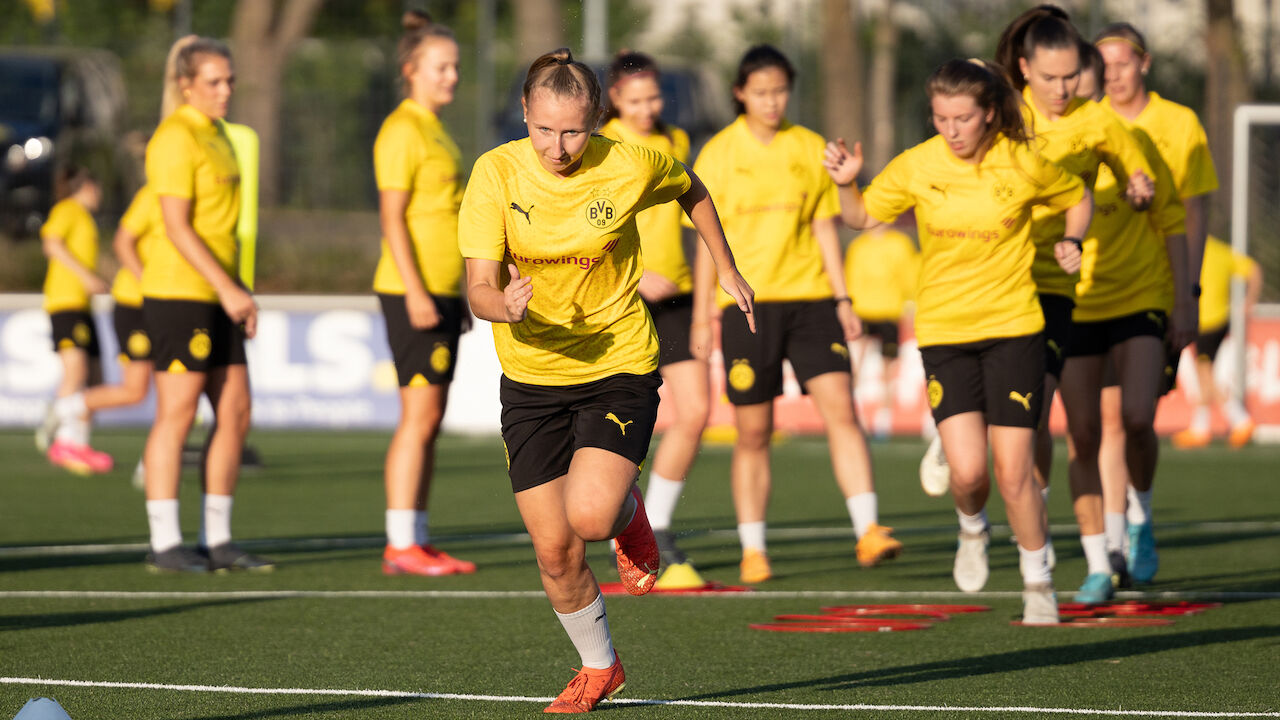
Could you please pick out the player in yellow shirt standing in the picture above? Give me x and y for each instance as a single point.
(418, 282)
(1134, 290)
(780, 208)
(548, 231)
(1221, 265)
(197, 313)
(975, 187)
(684, 330)
(880, 268)
(1181, 140)
(1041, 51)
(70, 240)
(139, 227)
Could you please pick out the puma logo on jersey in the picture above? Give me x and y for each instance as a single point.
(523, 212)
(938, 189)
(621, 425)
(1023, 400)
(1156, 319)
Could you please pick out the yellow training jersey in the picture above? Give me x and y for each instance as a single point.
(1182, 143)
(1221, 264)
(1083, 138)
(1125, 267)
(974, 223)
(768, 197)
(414, 153)
(576, 237)
(142, 219)
(661, 244)
(190, 157)
(71, 223)
(880, 270)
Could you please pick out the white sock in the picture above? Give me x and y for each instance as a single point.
(588, 628)
(660, 498)
(1139, 511)
(421, 528)
(1114, 529)
(400, 528)
(74, 430)
(70, 408)
(1200, 419)
(751, 535)
(863, 511)
(973, 524)
(215, 529)
(162, 518)
(1034, 565)
(1236, 414)
(1095, 553)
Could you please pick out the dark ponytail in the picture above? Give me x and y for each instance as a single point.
(987, 84)
(1043, 26)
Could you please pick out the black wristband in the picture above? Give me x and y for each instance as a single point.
(845, 299)
(1075, 241)
(1195, 290)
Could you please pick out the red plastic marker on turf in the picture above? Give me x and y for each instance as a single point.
(900, 608)
(879, 625)
(711, 588)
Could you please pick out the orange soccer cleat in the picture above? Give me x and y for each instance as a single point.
(588, 688)
(1191, 439)
(876, 544)
(415, 560)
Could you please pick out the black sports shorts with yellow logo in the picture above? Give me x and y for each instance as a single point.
(544, 425)
(131, 333)
(806, 332)
(191, 336)
(74, 329)
(1002, 378)
(673, 319)
(423, 357)
(1057, 331)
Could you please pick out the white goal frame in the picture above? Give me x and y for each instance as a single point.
(1246, 116)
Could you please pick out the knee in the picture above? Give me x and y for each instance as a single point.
(559, 562)
(968, 477)
(422, 426)
(1085, 439)
(692, 416)
(591, 524)
(753, 438)
(1137, 420)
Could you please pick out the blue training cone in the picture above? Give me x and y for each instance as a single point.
(42, 709)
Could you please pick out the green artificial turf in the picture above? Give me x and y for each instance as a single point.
(316, 506)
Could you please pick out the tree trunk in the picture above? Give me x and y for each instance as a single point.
(539, 28)
(263, 34)
(882, 105)
(1226, 86)
(842, 71)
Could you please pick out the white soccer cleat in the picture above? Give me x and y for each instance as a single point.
(1039, 605)
(971, 571)
(935, 473)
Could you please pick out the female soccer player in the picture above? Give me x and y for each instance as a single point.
(548, 231)
(1041, 50)
(974, 188)
(766, 176)
(70, 240)
(1221, 265)
(1185, 149)
(684, 330)
(1134, 288)
(418, 284)
(196, 311)
(139, 227)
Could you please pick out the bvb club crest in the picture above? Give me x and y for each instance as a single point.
(200, 345)
(935, 392)
(441, 358)
(741, 375)
(138, 345)
(601, 213)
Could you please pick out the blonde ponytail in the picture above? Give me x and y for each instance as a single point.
(181, 64)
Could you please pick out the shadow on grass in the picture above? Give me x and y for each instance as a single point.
(93, 617)
(354, 706)
(968, 667)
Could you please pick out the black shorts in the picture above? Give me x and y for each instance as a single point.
(543, 426)
(423, 357)
(1057, 331)
(1002, 378)
(807, 333)
(191, 335)
(673, 319)
(1096, 338)
(887, 331)
(75, 329)
(131, 333)
(1209, 343)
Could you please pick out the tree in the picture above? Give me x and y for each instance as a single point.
(843, 87)
(1226, 86)
(263, 35)
(539, 28)
(882, 110)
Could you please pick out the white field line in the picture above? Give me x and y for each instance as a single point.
(913, 595)
(795, 533)
(331, 692)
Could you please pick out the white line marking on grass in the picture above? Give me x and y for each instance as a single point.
(538, 594)
(686, 703)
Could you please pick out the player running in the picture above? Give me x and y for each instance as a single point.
(1181, 141)
(684, 330)
(765, 175)
(70, 240)
(196, 311)
(418, 284)
(975, 187)
(548, 231)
